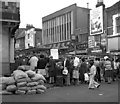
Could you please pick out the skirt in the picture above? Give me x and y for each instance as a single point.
(108, 73)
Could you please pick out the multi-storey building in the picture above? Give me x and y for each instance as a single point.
(26, 38)
(61, 27)
(113, 28)
(9, 22)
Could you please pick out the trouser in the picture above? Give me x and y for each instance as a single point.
(51, 80)
(66, 79)
(114, 74)
(81, 77)
(92, 82)
(75, 81)
(98, 75)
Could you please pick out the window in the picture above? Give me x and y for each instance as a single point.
(28, 36)
(28, 45)
(118, 24)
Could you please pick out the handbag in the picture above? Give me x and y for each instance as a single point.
(65, 71)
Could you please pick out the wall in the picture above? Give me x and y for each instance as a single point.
(83, 19)
(119, 43)
(31, 39)
(113, 43)
(38, 37)
(5, 51)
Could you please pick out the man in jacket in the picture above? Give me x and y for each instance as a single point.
(67, 67)
(92, 82)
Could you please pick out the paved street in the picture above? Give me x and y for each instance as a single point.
(81, 93)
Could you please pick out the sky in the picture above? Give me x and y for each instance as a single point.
(32, 11)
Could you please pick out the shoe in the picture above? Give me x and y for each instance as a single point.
(98, 86)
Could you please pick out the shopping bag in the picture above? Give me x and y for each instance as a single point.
(86, 77)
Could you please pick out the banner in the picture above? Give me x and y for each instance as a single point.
(54, 53)
(96, 21)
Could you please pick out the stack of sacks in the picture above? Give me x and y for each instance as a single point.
(29, 82)
(7, 85)
(37, 83)
(24, 67)
(21, 79)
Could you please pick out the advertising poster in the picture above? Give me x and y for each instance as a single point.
(54, 53)
(96, 21)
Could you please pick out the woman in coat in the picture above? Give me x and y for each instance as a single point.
(108, 70)
(51, 70)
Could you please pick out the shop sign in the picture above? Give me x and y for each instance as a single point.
(91, 42)
(82, 46)
(81, 51)
(96, 50)
(103, 39)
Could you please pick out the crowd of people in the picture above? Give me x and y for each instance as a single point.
(73, 70)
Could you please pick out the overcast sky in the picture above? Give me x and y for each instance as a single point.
(32, 11)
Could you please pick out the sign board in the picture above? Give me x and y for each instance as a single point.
(91, 42)
(54, 53)
(96, 21)
(104, 39)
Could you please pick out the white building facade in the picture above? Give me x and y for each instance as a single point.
(30, 38)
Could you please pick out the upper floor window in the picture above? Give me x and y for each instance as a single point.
(116, 24)
(28, 36)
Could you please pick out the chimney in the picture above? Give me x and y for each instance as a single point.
(88, 5)
(100, 3)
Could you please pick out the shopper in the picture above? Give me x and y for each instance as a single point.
(33, 61)
(42, 62)
(51, 70)
(66, 76)
(98, 72)
(92, 83)
(76, 71)
(83, 69)
(108, 70)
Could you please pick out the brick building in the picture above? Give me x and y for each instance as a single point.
(113, 28)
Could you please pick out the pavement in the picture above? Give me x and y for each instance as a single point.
(81, 93)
